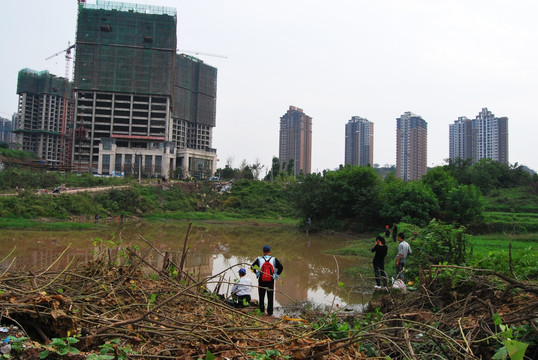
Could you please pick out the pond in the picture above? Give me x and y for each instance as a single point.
(216, 250)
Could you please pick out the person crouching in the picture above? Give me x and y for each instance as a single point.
(241, 290)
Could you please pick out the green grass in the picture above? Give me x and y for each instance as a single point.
(492, 252)
(489, 252)
(23, 224)
(509, 222)
(511, 210)
(518, 200)
(218, 216)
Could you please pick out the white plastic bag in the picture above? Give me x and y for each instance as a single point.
(400, 285)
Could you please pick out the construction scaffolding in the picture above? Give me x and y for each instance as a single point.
(125, 48)
(195, 91)
(41, 82)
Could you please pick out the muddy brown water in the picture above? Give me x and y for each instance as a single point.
(310, 275)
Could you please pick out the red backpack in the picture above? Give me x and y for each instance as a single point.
(267, 270)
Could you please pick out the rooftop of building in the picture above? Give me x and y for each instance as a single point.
(129, 7)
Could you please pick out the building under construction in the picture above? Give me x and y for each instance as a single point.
(140, 108)
(43, 112)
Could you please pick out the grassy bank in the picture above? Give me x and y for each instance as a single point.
(218, 216)
(25, 224)
(497, 251)
(517, 254)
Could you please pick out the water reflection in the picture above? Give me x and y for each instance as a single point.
(309, 274)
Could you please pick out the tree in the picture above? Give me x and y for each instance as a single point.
(275, 168)
(291, 167)
(246, 173)
(411, 202)
(227, 173)
(441, 182)
(486, 174)
(464, 204)
(256, 167)
(339, 198)
(459, 169)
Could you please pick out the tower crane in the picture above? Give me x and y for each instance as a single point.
(64, 159)
(201, 53)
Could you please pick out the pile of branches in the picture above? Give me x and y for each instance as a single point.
(123, 311)
(135, 310)
(464, 313)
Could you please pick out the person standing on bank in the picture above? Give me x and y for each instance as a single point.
(380, 250)
(267, 269)
(403, 251)
(387, 231)
(394, 232)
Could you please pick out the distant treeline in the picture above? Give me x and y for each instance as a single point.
(350, 198)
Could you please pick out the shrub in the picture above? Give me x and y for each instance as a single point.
(440, 243)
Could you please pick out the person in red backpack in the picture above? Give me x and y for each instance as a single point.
(267, 269)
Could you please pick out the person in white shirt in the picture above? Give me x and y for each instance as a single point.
(403, 251)
(241, 290)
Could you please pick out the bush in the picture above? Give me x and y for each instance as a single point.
(440, 243)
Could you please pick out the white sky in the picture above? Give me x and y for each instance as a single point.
(334, 59)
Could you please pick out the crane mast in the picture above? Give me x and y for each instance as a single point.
(64, 148)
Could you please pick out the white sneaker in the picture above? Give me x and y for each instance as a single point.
(377, 287)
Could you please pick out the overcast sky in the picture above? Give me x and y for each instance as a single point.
(334, 59)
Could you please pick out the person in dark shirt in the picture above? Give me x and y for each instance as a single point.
(394, 232)
(380, 250)
(266, 287)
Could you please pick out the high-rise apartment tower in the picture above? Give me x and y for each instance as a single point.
(411, 147)
(485, 137)
(359, 145)
(5, 131)
(461, 138)
(296, 140)
(44, 107)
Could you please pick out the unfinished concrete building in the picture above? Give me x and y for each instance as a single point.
(140, 108)
(42, 115)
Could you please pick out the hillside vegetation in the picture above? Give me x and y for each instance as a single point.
(484, 197)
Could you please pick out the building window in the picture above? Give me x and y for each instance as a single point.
(158, 164)
(106, 164)
(128, 167)
(148, 162)
(117, 166)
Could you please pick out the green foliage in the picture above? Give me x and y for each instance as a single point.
(410, 202)
(267, 355)
(108, 349)
(258, 198)
(8, 154)
(60, 346)
(463, 204)
(512, 200)
(30, 178)
(488, 175)
(440, 243)
(508, 337)
(441, 182)
(17, 345)
(227, 173)
(492, 252)
(349, 195)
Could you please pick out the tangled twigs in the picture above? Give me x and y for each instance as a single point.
(148, 309)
